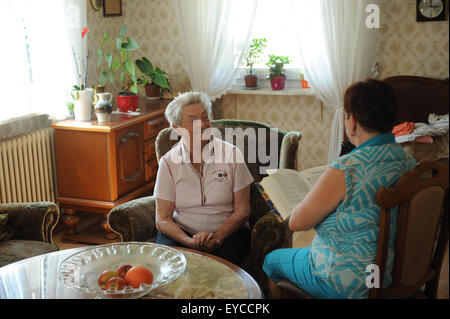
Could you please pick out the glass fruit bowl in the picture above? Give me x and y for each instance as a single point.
(81, 270)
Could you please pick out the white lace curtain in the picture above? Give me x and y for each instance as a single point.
(36, 58)
(215, 36)
(337, 49)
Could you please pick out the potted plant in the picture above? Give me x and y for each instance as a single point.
(155, 80)
(277, 74)
(253, 56)
(119, 63)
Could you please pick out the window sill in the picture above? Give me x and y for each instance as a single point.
(269, 91)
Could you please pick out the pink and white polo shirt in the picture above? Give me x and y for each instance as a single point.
(203, 201)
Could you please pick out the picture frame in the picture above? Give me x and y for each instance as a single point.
(112, 8)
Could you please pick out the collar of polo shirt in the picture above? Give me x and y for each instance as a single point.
(185, 154)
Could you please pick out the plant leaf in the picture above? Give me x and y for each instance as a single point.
(108, 57)
(134, 88)
(70, 105)
(111, 78)
(105, 38)
(159, 79)
(144, 65)
(99, 56)
(103, 78)
(115, 65)
(130, 45)
(123, 31)
(119, 43)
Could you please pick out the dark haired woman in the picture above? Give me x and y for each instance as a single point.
(341, 206)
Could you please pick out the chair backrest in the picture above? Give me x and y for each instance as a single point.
(421, 240)
(253, 132)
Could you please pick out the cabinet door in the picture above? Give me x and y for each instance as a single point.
(82, 165)
(130, 158)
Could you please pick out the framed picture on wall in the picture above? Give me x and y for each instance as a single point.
(112, 8)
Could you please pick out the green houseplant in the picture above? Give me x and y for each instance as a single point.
(118, 63)
(155, 80)
(277, 73)
(253, 57)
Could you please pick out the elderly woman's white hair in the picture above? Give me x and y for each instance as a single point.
(174, 110)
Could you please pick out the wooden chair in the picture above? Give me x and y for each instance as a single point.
(422, 234)
(422, 231)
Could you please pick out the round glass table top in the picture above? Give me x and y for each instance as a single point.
(206, 276)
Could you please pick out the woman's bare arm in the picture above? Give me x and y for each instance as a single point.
(166, 225)
(322, 199)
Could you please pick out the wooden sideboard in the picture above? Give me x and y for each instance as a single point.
(100, 166)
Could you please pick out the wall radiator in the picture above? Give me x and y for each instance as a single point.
(27, 168)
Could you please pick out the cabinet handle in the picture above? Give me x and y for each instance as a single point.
(155, 121)
(129, 135)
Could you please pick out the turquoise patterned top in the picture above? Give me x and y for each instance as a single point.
(346, 241)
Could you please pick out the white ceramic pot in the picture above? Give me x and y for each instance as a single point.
(83, 105)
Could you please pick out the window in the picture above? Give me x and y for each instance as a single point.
(36, 59)
(276, 21)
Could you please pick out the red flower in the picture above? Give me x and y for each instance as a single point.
(83, 32)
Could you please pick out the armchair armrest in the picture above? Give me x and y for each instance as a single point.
(134, 220)
(32, 221)
(268, 234)
(289, 147)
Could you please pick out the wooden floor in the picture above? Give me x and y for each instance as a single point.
(301, 239)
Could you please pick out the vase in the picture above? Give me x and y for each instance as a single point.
(83, 105)
(103, 107)
(127, 103)
(278, 82)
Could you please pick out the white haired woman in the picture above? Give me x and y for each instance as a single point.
(202, 193)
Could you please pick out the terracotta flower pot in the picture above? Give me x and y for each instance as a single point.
(251, 81)
(153, 91)
(278, 82)
(127, 103)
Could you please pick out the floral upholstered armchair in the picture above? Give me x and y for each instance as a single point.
(135, 220)
(26, 230)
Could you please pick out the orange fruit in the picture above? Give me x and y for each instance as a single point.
(138, 275)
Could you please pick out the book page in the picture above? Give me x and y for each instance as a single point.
(311, 175)
(286, 188)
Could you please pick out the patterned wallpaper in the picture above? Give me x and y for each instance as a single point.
(405, 47)
(152, 24)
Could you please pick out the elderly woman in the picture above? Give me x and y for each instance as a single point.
(202, 193)
(341, 206)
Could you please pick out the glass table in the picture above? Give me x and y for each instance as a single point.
(206, 276)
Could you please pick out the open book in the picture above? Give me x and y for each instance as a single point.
(287, 187)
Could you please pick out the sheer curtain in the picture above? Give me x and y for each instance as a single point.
(337, 49)
(37, 60)
(215, 36)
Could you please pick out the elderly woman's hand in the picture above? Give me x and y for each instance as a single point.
(201, 239)
(214, 243)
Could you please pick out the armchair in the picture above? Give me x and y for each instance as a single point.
(32, 225)
(135, 220)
